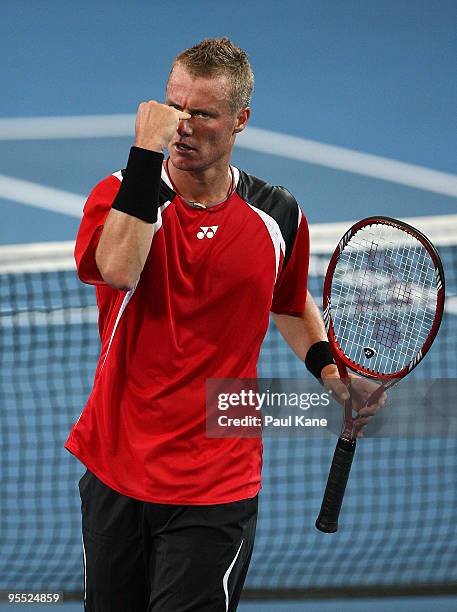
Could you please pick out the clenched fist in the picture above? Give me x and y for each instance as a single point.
(156, 125)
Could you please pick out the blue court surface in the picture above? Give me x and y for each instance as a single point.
(407, 604)
(353, 111)
(367, 78)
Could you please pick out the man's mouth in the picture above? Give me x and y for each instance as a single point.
(182, 147)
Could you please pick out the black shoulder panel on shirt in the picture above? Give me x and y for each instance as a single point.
(166, 194)
(276, 202)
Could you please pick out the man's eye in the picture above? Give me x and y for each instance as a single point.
(201, 114)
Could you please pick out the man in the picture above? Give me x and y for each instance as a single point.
(189, 256)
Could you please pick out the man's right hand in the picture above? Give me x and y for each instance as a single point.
(156, 125)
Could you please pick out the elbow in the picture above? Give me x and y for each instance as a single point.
(115, 277)
(119, 272)
(120, 283)
(119, 279)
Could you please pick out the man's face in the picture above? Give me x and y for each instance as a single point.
(208, 136)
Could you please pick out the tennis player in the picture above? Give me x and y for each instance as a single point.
(189, 255)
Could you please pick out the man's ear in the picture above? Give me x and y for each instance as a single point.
(241, 120)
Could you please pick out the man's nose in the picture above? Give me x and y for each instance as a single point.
(184, 127)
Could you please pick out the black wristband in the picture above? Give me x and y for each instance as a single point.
(318, 356)
(139, 192)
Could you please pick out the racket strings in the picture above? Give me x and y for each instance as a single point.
(383, 298)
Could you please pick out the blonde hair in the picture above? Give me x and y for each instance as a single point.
(219, 56)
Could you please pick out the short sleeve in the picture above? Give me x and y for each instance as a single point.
(290, 291)
(95, 212)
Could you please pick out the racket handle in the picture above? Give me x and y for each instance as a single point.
(327, 521)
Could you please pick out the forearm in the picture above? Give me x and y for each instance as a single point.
(123, 248)
(128, 230)
(301, 333)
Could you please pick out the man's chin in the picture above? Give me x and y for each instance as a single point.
(183, 162)
(182, 165)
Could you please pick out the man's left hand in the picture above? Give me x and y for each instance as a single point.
(361, 389)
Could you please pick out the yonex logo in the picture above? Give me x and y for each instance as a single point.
(207, 231)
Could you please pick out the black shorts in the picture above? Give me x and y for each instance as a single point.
(145, 557)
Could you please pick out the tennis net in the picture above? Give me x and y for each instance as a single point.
(400, 511)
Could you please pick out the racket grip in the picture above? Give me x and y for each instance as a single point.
(327, 521)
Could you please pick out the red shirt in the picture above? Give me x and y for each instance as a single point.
(199, 310)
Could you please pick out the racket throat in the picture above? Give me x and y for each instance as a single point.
(348, 429)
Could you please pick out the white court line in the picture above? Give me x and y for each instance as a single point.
(57, 128)
(254, 139)
(356, 162)
(34, 194)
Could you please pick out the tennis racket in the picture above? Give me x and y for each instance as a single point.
(383, 303)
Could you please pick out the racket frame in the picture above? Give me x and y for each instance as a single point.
(439, 272)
